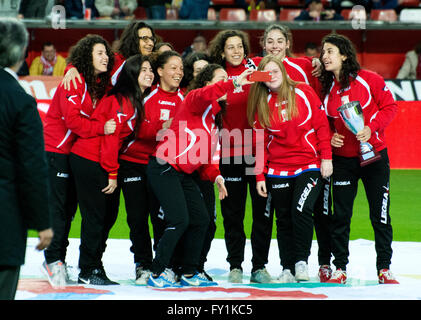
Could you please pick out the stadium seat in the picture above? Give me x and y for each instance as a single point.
(291, 3)
(263, 15)
(383, 15)
(410, 15)
(409, 3)
(232, 14)
(349, 14)
(140, 13)
(223, 2)
(289, 14)
(212, 14)
(172, 14)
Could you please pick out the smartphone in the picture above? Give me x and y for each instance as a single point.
(260, 76)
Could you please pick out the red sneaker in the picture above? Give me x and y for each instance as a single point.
(386, 276)
(325, 273)
(339, 276)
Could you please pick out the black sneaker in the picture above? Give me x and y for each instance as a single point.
(206, 275)
(95, 277)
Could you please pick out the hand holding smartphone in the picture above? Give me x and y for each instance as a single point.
(260, 76)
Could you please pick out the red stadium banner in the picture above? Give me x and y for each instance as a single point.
(403, 135)
(42, 88)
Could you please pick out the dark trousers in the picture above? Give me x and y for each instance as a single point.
(9, 277)
(140, 202)
(63, 205)
(185, 213)
(375, 178)
(322, 222)
(294, 200)
(233, 208)
(207, 190)
(97, 210)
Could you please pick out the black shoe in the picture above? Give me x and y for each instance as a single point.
(206, 275)
(95, 277)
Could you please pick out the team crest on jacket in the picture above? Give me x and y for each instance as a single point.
(165, 114)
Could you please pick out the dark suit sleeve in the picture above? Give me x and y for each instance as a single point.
(31, 164)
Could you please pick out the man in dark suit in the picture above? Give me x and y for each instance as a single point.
(23, 166)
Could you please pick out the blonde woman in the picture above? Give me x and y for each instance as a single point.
(297, 154)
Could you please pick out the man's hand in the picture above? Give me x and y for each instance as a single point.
(45, 237)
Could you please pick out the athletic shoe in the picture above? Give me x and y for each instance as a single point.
(207, 275)
(142, 275)
(165, 280)
(68, 270)
(325, 273)
(95, 277)
(286, 277)
(301, 271)
(198, 280)
(386, 277)
(56, 273)
(339, 276)
(235, 276)
(260, 276)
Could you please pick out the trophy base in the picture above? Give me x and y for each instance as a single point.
(369, 157)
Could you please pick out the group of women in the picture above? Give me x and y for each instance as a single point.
(148, 123)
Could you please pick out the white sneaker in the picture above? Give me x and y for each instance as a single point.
(286, 277)
(235, 276)
(301, 271)
(56, 273)
(142, 275)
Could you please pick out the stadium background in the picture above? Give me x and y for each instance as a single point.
(381, 45)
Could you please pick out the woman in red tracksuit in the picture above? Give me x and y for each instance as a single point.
(277, 41)
(187, 146)
(91, 56)
(160, 106)
(343, 81)
(297, 154)
(230, 48)
(94, 162)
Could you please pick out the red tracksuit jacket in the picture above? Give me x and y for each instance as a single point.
(235, 116)
(299, 69)
(379, 109)
(190, 142)
(293, 146)
(159, 107)
(60, 130)
(105, 149)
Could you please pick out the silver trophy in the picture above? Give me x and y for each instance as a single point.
(352, 115)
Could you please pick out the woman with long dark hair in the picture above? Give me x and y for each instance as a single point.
(230, 49)
(297, 154)
(92, 56)
(125, 104)
(193, 64)
(94, 183)
(344, 81)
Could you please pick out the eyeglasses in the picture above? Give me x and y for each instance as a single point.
(146, 38)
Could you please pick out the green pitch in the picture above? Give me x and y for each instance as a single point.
(405, 195)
